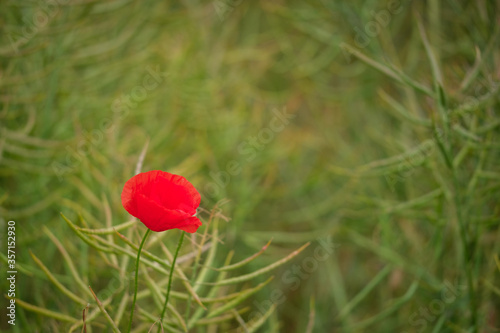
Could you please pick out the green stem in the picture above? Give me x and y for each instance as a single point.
(468, 250)
(170, 279)
(136, 278)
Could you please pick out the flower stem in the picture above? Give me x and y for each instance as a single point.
(170, 278)
(136, 278)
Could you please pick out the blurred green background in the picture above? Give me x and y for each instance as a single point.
(390, 150)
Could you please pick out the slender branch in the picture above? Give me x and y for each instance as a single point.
(103, 310)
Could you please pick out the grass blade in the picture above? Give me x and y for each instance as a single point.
(242, 296)
(245, 261)
(392, 73)
(58, 284)
(103, 310)
(262, 270)
(45, 312)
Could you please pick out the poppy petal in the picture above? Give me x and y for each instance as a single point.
(162, 201)
(192, 225)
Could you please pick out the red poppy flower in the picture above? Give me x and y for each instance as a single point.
(162, 201)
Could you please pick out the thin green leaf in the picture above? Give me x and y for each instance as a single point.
(235, 302)
(209, 260)
(108, 231)
(392, 73)
(261, 271)
(312, 315)
(364, 292)
(144, 252)
(85, 238)
(436, 72)
(103, 310)
(68, 260)
(259, 322)
(184, 279)
(245, 261)
(58, 284)
(44, 312)
(402, 111)
(220, 319)
(398, 303)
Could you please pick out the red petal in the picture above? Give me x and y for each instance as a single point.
(162, 201)
(193, 223)
(175, 192)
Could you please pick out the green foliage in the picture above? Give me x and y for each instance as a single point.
(153, 283)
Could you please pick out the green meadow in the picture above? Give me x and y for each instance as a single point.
(347, 154)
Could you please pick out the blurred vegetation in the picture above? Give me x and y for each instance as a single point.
(392, 151)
